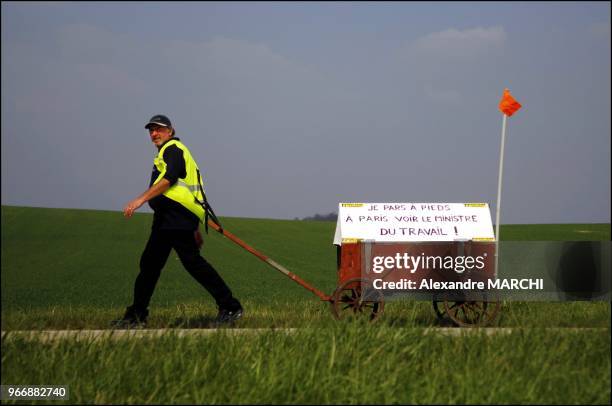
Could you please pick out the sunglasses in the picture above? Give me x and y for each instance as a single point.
(155, 128)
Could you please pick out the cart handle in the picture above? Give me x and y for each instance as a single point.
(268, 261)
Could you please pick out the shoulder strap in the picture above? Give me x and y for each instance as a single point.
(207, 209)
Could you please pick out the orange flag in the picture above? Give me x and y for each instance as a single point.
(508, 105)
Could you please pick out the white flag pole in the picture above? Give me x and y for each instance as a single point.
(499, 190)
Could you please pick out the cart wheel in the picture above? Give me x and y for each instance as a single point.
(356, 296)
(439, 309)
(438, 306)
(472, 313)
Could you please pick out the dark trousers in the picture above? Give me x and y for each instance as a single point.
(154, 258)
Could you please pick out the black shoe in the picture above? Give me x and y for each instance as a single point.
(132, 319)
(228, 316)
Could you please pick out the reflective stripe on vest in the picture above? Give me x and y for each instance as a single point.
(185, 191)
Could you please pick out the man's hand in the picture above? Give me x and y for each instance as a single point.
(198, 238)
(155, 190)
(132, 206)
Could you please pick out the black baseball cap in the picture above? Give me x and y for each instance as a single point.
(159, 119)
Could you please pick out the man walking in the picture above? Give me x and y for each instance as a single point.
(177, 198)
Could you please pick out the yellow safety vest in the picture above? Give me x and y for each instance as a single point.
(185, 191)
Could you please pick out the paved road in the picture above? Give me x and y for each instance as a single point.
(52, 335)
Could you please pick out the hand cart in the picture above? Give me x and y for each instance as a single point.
(355, 295)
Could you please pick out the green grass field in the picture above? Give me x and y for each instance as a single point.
(74, 269)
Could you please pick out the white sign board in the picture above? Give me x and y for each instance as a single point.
(401, 222)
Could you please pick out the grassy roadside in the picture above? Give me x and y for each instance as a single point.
(348, 363)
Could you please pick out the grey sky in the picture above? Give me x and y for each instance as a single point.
(291, 108)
